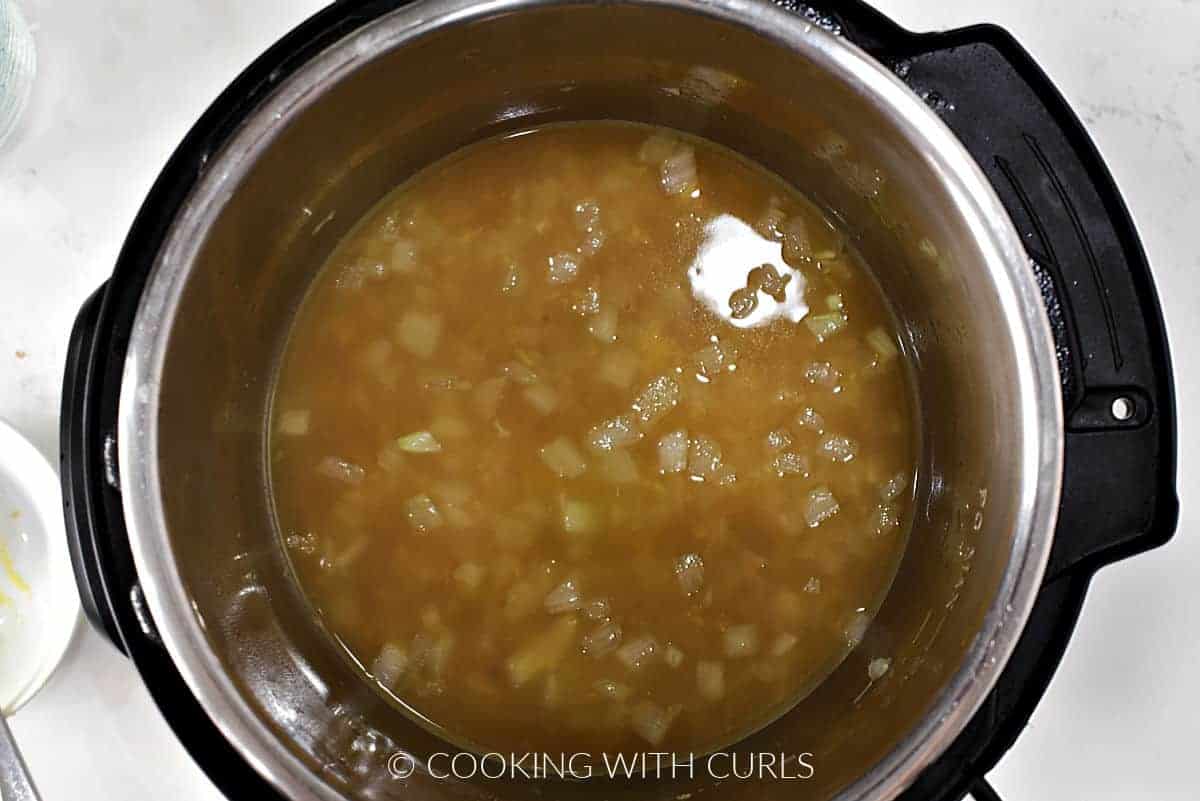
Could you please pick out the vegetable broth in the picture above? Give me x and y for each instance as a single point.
(595, 438)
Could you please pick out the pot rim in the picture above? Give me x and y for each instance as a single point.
(181, 631)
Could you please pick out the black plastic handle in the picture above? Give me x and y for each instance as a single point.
(1119, 483)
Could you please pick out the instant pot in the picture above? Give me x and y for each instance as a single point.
(1024, 298)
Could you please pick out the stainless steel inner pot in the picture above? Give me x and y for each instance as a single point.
(424, 80)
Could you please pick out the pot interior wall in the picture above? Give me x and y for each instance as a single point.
(330, 160)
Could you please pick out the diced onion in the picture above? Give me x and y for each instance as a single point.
(856, 629)
(422, 513)
(637, 652)
(519, 372)
(838, 449)
(784, 643)
(657, 148)
(689, 572)
(677, 174)
(542, 398)
(884, 519)
(710, 680)
(823, 326)
(822, 374)
(419, 442)
(586, 302)
(882, 343)
(488, 395)
(563, 458)
(563, 598)
(819, 506)
(813, 586)
(603, 324)
(543, 652)
(810, 419)
(710, 359)
(619, 432)
(390, 665)
(597, 609)
(579, 517)
(651, 721)
(878, 667)
(673, 452)
(404, 257)
(603, 640)
(796, 245)
(616, 467)
(704, 457)
(778, 440)
(891, 489)
(418, 333)
(834, 302)
(563, 268)
(740, 641)
(618, 367)
(341, 470)
(673, 655)
(656, 399)
(470, 575)
(790, 464)
(294, 423)
(513, 280)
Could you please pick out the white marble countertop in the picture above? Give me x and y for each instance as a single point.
(121, 82)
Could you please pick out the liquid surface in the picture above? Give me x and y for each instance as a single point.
(593, 439)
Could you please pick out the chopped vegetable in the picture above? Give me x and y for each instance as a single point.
(778, 439)
(563, 268)
(564, 598)
(618, 432)
(390, 665)
(878, 668)
(616, 467)
(637, 652)
(710, 680)
(838, 449)
(652, 721)
(704, 457)
(294, 423)
(673, 452)
(603, 324)
(678, 172)
(542, 398)
(404, 257)
(418, 333)
(563, 458)
(579, 517)
(543, 652)
(823, 326)
(419, 442)
(673, 655)
(790, 464)
(618, 367)
(470, 575)
(603, 640)
(740, 641)
(689, 572)
(341, 470)
(819, 506)
(422, 513)
(808, 418)
(882, 343)
(784, 643)
(891, 489)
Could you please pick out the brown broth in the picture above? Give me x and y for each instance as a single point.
(523, 575)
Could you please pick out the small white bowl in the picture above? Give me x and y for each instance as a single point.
(39, 603)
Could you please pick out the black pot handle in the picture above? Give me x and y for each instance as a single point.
(1119, 483)
(84, 480)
